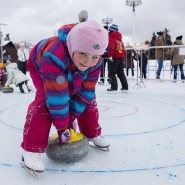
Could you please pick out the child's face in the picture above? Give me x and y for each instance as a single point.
(84, 61)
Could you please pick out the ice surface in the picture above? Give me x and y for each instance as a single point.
(145, 127)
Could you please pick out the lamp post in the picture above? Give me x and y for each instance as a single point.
(133, 4)
(107, 21)
(1, 36)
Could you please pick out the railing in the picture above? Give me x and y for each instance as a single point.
(167, 70)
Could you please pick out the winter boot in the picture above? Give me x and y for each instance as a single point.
(20, 87)
(101, 83)
(29, 90)
(33, 161)
(21, 90)
(110, 89)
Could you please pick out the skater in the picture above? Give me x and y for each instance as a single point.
(15, 76)
(64, 70)
(116, 53)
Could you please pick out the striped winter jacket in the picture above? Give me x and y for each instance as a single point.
(68, 90)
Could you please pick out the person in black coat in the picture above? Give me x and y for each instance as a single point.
(143, 61)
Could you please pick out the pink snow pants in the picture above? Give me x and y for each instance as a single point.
(38, 120)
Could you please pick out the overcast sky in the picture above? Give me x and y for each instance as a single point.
(34, 20)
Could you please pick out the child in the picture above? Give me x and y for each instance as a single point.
(15, 76)
(3, 76)
(64, 70)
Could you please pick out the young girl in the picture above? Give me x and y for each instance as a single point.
(64, 70)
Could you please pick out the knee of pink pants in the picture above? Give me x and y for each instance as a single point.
(88, 121)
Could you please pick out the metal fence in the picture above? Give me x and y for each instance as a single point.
(152, 65)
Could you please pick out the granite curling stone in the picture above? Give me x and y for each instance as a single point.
(7, 89)
(74, 150)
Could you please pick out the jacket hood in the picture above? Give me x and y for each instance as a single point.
(63, 32)
(50, 46)
(116, 35)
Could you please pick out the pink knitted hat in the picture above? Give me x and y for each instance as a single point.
(88, 36)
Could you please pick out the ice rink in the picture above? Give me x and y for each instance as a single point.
(145, 127)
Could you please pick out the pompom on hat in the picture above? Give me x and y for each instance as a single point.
(83, 15)
(89, 37)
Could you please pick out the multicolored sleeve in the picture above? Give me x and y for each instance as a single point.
(56, 88)
(80, 100)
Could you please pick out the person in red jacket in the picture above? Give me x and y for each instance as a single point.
(116, 54)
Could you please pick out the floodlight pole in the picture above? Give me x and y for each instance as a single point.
(133, 4)
(107, 21)
(1, 36)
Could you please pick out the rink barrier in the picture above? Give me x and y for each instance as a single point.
(166, 73)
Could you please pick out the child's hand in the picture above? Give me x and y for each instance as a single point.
(64, 136)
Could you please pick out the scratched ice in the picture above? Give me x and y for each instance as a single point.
(145, 128)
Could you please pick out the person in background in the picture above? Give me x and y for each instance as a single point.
(143, 61)
(105, 60)
(64, 70)
(15, 76)
(129, 59)
(159, 52)
(83, 16)
(177, 60)
(116, 54)
(23, 55)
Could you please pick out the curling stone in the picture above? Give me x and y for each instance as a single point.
(74, 150)
(7, 89)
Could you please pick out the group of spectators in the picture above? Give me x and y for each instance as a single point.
(177, 60)
(130, 55)
(15, 73)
